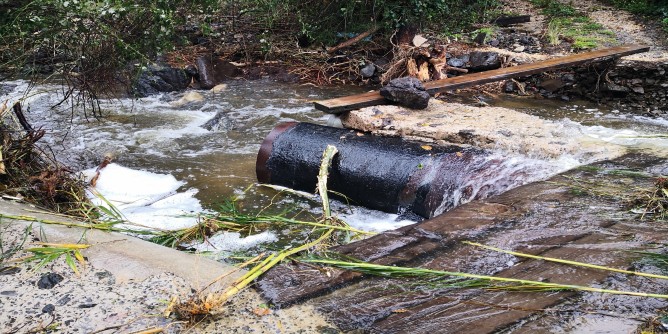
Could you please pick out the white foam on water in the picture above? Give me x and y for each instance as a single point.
(232, 241)
(373, 221)
(144, 198)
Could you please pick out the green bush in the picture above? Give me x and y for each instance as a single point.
(325, 21)
(91, 39)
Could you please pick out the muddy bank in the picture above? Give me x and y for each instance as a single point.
(125, 287)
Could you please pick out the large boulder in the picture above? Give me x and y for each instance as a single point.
(213, 71)
(407, 91)
(156, 78)
(484, 61)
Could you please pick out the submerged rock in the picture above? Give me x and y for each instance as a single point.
(188, 97)
(157, 78)
(218, 122)
(407, 91)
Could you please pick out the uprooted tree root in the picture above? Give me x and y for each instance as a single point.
(27, 172)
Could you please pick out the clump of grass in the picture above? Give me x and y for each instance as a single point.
(567, 24)
(205, 302)
(49, 252)
(653, 201)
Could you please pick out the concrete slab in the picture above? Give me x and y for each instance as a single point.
(125, 286)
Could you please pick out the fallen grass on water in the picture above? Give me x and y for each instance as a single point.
(491, 282)
(568, 262)
(653, 201)
(203, 303)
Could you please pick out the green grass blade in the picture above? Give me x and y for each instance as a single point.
(392, 271)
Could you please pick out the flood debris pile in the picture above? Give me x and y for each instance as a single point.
(652, 202)
(29, 173)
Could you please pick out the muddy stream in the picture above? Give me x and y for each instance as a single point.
(167, 162)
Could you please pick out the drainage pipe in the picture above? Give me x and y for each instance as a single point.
(384, 173)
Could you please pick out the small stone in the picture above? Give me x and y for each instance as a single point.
(407, 91)
(519, 48)
(494, 42)
(456, 62)
(509, 86)
(87, 305)
(49, 308)
(636, 82)
(368, 70)
(418, 40)
(219, 88)
(49, 280)
(638, 90)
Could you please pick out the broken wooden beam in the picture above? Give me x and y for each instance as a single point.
(347, 103)
(505, 21)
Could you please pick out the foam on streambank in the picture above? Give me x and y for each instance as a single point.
(152, 201)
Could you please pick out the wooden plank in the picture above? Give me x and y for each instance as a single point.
(343, 104)
(505, 21)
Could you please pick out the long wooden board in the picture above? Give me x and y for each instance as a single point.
(347, 103)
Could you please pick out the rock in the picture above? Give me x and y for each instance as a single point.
(191, 70)
(49, 280)
(191, 96)
(418, 40)
(219, 88)
(158, 78)
(552, 85)
(494, 42)
(368, 71)
(510, 86)
(519, 48)
(218, 122)
(407, 91)
(335, 122)
(638, 90)
(636, 82)
(213, 71)
(615, 89)
(456, 62)
(568, 78)
(480, 38)
(49, 308)
(483, 61)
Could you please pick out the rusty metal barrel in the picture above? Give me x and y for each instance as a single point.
(384, 173)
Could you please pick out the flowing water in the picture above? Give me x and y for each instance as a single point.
(186, 167)
(167, 163)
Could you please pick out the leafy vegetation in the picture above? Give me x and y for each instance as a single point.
(567, 24)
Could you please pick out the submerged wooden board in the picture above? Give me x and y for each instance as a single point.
(342, 104)
(546, 218)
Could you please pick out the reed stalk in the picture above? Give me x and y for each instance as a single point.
(521, 284)
(567, 262)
